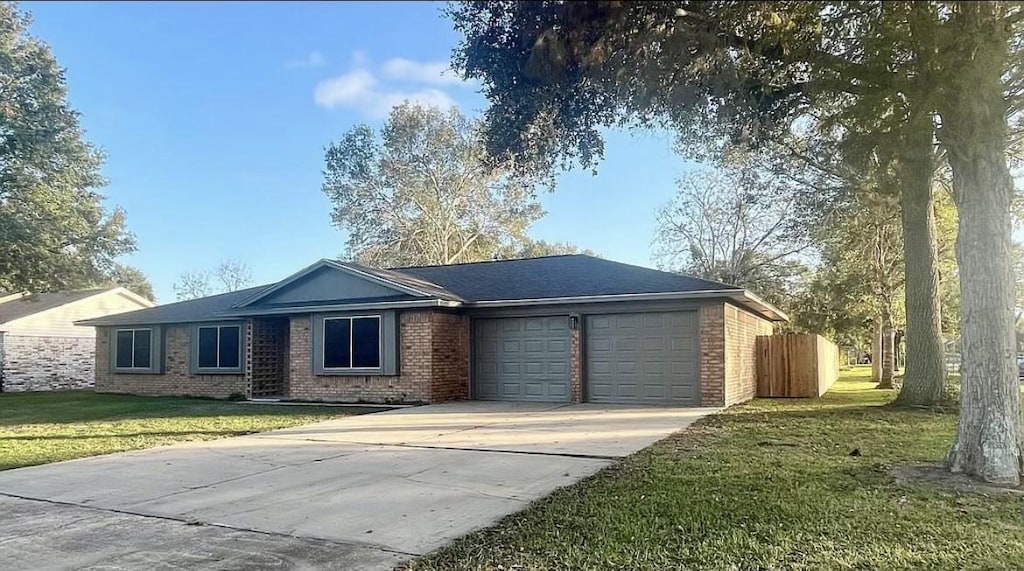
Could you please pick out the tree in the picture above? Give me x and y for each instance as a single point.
(133, 279)
(974, 56)
(538, 248)
(742, 73)
(735, 227)
(54, 231)
(193, 285)
(232, 275)
(420, 192)
(555, 73)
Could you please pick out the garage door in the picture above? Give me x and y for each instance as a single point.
(522, 358)
(643, 358)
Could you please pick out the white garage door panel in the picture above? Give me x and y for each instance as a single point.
(642, 358)
(521, 358)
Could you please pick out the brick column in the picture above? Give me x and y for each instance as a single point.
(712, 354)
(576, 359)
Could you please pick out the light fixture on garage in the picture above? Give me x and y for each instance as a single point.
(574, 322)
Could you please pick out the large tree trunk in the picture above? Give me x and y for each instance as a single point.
(925, 375)
(988, 441)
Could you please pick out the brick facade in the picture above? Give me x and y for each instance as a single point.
(433, 364)
(45, 363)
(576, 361)
(741, 331)
(712, 354)
(177, 378)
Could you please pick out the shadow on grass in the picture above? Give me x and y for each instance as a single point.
(70, 407)
(104, 436)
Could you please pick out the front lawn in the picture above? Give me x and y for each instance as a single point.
(38, 428)
(773, 484)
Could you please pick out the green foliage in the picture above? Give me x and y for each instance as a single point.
(54, 230)
(133, 279)
(421, 191)
(771, 484)
(39, 428)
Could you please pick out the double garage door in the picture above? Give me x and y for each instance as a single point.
(629, 358)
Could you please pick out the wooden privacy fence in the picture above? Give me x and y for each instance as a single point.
(795, 365)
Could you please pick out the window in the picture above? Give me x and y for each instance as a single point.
(218, 346)
(351, 342)
(133, 348)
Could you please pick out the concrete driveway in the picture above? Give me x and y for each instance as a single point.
(362, 492)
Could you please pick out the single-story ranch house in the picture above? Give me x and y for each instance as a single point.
(559, 328)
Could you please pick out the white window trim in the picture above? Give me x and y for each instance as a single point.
(133, 367)
(218, 366)
(351, 343)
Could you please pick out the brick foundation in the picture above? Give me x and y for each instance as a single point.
(433, 364)
(177, 379)
(45, 363)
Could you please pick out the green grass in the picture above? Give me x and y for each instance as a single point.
(38, 428)
(767, 485)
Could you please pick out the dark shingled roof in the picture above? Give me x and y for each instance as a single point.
(34, 303)
(181, 311)
(571, 275)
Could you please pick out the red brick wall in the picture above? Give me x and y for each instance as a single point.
(712, 354)
(741, 331)
(176, 379)
(433, 364)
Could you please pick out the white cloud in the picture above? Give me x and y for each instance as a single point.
(352, 88)
(313, 59)
(435, 73)
(375, 95)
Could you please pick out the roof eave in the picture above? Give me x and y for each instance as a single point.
(241, 312)
(738, 295)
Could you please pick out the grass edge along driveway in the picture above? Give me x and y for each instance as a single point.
(771, 484)
(39, 428)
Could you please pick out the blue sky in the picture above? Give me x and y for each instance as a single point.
(214, 117)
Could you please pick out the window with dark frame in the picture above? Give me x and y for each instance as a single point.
(218, 346)
(352, 342)
(133, 348)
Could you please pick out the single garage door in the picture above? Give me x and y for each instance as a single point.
(521, 358)
(643, 358)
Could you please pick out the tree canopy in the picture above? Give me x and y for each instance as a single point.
(420, 191)
(55, 232)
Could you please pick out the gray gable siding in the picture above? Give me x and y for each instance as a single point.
(327, 284)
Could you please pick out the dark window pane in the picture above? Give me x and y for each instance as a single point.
(229, 346)
(207, 347)
(336, 344)
(366, 342)
(123, 349)
(142, 348)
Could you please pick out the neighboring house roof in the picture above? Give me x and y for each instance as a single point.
(551, 279)
(26, 304)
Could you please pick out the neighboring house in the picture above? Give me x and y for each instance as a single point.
(42, 349)
(556, 329)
